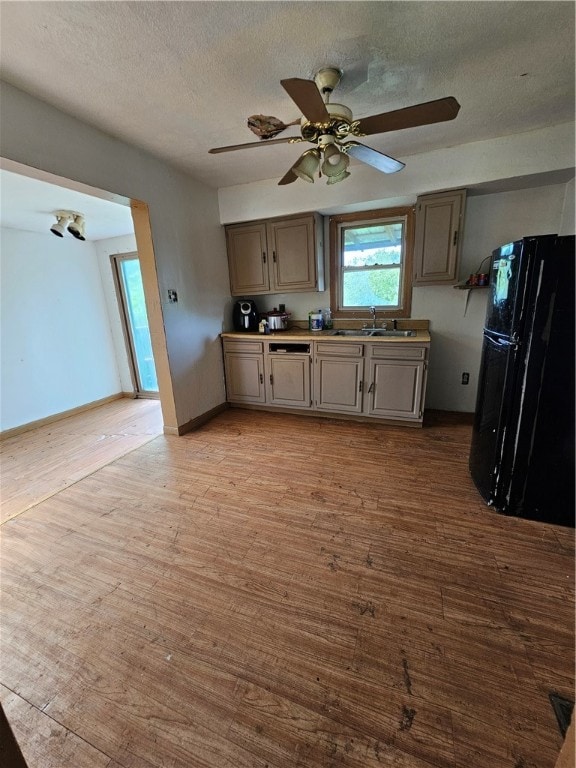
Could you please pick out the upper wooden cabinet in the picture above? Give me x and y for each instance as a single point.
(438, 236)
(280, 255)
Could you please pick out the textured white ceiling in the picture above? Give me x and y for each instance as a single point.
(177, 78)
(28, 204)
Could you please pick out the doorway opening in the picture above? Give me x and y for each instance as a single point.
(131, 301)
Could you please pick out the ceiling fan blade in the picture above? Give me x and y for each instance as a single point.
(307, 97)
(420, 114)
(374, 158)
(265, 143)
(288, 178)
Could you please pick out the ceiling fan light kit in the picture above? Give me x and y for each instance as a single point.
(330, 128)
(335, 161)
(336, 179)
(307, 165)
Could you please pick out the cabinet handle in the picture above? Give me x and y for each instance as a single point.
(274, 256)
(264, 257)
(360, 386)
(261, 378)
(270, 378)
(371, 388)
(455, 237)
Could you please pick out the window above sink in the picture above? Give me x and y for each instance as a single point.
(371, 263)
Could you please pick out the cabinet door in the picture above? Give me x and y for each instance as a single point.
(338, 384)
(247, 259)
(244, 378)
(288, 380)
(439, 223)
(291, 245)
(395, 389)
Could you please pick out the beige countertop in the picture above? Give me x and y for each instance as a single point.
(422, 336)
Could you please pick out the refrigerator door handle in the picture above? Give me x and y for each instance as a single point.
(504, 342)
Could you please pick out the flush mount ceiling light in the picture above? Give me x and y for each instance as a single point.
(71, 221)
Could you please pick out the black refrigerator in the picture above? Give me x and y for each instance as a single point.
(522, 453)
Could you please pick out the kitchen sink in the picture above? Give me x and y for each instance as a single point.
(356, 332)
(370, 332)
(382, 332)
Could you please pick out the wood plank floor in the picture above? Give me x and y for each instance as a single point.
(282, 592)
(39, 463)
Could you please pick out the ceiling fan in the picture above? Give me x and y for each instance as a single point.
(332, 131)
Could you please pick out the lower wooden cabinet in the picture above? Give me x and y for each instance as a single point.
(395, 389)
(397, 381)
(372, 380)
(288, 380)
(244, 369)
(338, 377)
(383, 380)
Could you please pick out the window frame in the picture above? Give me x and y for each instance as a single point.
(381, 215)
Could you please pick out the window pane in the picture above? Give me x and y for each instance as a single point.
(371, 287)
(134, 292)
(374, 244)
(371, 262)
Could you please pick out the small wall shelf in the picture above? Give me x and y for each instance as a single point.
(466, 287)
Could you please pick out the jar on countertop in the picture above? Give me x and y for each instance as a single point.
(315, 320)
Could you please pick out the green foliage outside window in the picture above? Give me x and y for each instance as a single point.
(365, 288)
(362, 286)
(371, 257)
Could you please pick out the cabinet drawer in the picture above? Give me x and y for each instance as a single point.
(254, 347)
(397, 351)
(337, 348)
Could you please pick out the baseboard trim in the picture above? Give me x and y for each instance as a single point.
(197, 422)
(333, 415)
(455, 417)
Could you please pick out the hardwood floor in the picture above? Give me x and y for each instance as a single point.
(37, 464)
(274, 591)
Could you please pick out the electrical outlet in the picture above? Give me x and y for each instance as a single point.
(172, 296)
(465, 378)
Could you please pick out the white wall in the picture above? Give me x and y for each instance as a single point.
(514, 157)
(189, 242)
(56, 350)
(105, 249)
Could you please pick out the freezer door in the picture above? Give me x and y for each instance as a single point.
(507, 278)
(512, 289)
(492, 406)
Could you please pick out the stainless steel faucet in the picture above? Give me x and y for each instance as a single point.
(373, 313)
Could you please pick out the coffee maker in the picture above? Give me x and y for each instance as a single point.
(245, 316)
